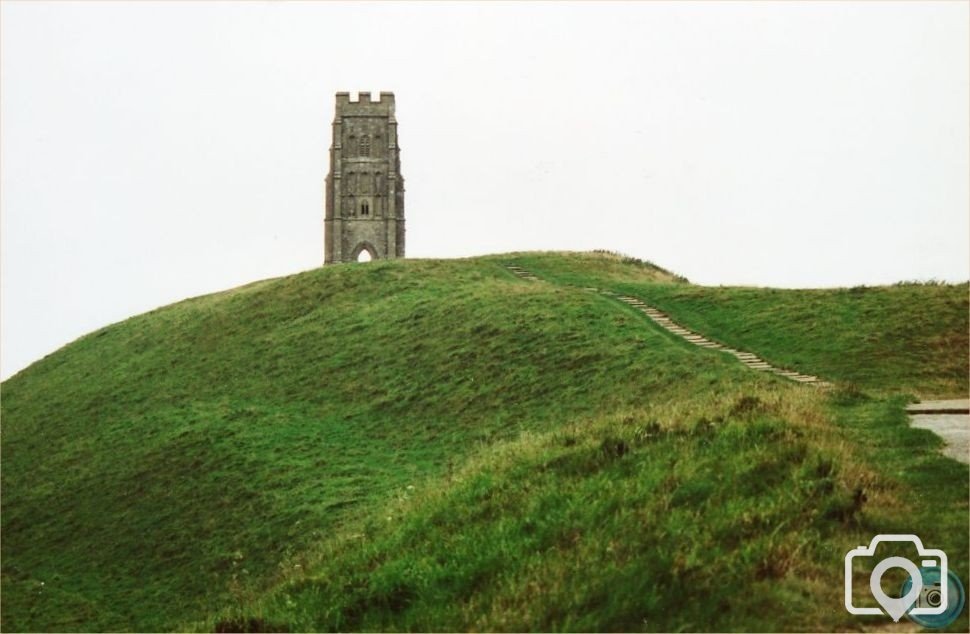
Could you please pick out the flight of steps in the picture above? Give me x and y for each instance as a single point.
(747, 358)
(668, 324)
(518, 271)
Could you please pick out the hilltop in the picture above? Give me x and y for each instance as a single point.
(437, 444)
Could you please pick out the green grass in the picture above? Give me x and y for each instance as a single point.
(439, 445)
(908, 337)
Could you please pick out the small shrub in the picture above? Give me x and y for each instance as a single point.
(612, 447)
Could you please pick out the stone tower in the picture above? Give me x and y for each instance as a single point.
(365, 190)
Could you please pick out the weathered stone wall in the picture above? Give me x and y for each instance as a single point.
(364, 189)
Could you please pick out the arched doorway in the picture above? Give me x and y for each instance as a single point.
(363, 252)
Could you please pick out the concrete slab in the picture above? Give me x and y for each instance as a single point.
(950, 406)
(954, 429)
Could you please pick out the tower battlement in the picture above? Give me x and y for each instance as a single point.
(365, 189)
(363, 104)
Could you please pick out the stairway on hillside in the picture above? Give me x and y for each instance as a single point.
(664, 321)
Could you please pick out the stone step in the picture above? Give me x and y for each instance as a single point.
(748, 359)
(951, 406)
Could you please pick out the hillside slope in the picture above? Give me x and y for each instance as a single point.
(434, 444)
(909, 337)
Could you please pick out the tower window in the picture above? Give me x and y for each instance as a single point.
(365, 145)
(365, 208)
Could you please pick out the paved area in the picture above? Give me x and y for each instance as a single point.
(951, 406)
(668, 324)
(950, 420)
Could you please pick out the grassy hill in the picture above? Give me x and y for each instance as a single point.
(910, 337)
(440, 445)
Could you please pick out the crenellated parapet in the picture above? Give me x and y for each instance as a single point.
(364, 106)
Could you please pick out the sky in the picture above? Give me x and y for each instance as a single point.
(151, 152)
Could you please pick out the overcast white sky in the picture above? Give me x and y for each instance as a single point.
(152, 152)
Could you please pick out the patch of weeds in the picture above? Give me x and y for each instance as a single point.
(849, 394)
(613, 447)
(648, 432)
(703, 427)
(747, 405)
(250, 624)
(846, 508)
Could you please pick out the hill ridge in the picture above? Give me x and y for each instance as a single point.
(427, 444)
